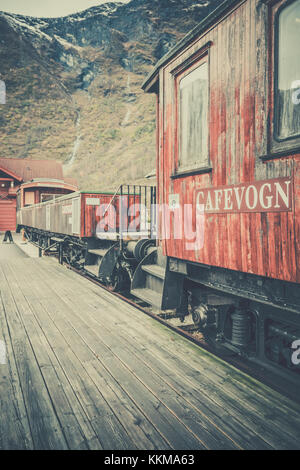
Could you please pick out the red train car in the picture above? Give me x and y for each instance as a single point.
(42, 190)
(228, 170)
(86, 215)
(32, 181)
(104, 233)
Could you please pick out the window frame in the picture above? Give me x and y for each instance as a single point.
(189, 65)
(26, 194)
(278, 146)
(54, 196)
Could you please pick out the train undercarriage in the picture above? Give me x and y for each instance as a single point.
(258, 318)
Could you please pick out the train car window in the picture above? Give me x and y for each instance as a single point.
(287, 88)
(49, 197)
(46, 197)
(193, 111)
(29, 198)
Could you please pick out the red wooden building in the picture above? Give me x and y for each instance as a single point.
(33, 180)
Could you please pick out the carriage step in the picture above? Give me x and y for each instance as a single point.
(149, 296)
(154, 270)
(98, 252)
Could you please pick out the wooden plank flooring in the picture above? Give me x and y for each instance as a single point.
(87, 371)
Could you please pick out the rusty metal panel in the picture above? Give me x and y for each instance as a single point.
(101, 213)
(54, 216)
(93, 205)
(61, 215)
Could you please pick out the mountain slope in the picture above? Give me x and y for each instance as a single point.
(73, 86)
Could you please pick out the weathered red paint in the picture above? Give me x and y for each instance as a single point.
(241, 63)
(100, 213)
(7, 214)
(84, 215)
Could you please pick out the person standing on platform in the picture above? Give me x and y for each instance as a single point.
(8, 235)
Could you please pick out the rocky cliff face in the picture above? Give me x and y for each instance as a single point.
(73, 86)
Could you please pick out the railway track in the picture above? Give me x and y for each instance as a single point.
(285, 386)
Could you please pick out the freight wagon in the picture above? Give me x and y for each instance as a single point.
(104, 233)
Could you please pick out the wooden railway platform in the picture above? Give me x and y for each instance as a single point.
(11, 251)
(85, 370)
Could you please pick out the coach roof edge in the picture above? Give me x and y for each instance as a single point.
(207, 22)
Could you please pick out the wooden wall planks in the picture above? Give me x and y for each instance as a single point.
(261, 243)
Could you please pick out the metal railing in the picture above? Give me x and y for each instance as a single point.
(136, 207)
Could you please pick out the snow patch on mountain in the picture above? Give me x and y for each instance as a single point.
(21, 24)
(66, 44)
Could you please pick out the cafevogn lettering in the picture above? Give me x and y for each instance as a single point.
(260, 196)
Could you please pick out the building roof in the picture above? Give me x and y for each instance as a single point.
(207, 22)
(10, 173)
(31, 169)
(28, 170)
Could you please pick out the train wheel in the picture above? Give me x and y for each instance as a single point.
(119, 281)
